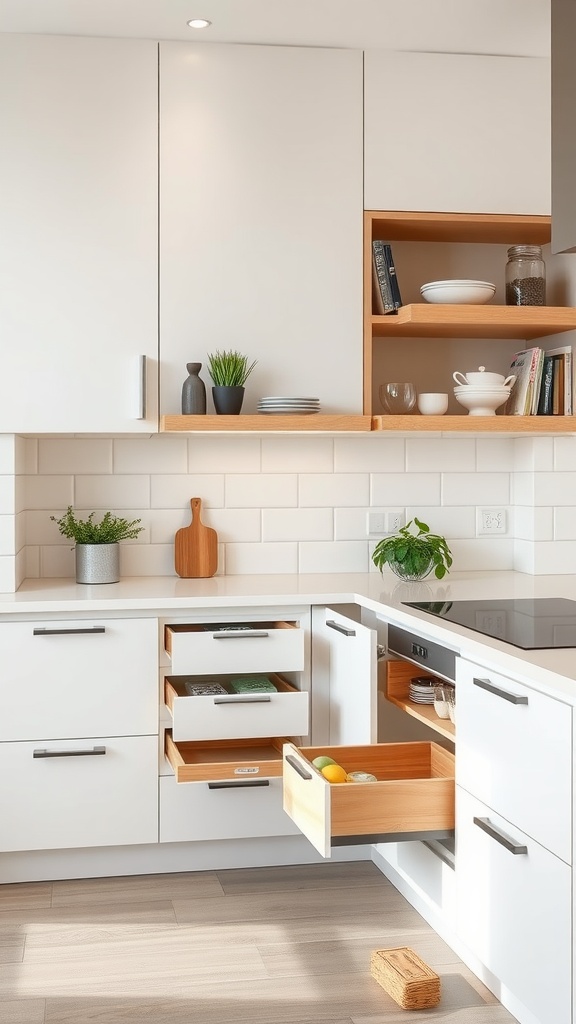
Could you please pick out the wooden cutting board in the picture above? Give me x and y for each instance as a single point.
(196, 547)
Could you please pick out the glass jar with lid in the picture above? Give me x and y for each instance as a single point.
(525, 276)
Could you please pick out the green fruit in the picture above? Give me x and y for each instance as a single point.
(322, 761)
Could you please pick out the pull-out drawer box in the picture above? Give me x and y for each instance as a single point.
(211, 760)
(236, 715)
(413, 797)
(196, 648)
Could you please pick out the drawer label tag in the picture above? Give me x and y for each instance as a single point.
(246, 771)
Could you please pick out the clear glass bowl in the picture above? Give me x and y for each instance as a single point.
(397, 398)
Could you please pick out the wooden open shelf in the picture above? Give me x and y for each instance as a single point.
(429, 320)
(263, 423)
(478, 424)
(398, 676)
(495, 228)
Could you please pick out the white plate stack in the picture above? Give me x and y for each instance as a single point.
(293, 406)
(422, 691)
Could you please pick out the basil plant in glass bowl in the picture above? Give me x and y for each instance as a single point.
(413, 555)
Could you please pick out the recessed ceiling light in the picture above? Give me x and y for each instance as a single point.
(199, 23)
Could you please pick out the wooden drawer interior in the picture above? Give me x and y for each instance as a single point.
(205, 760)
(172, 629)
(175, 686)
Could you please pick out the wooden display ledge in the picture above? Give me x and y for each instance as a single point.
(398, 676)
(266, 423)
(478, 424)
(443, 320)
(495, 228)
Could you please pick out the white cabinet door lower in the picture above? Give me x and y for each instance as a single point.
(345, 680)
(222, 810)
(78, 222)
(514, 909)
(73, 793)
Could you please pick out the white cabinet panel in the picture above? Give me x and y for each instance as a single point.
(78, 221)
(514, 909)
(344, 659)
(261, 218)
(53, 797)
(222, 810)
(68, 678)
(457, 133)
(515, 754)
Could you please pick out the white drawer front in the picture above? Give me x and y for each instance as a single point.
(516, 757)
(265, 647)
(72, 800)
(78, 678)
(203, 811)
(514, 909)
(240, 715)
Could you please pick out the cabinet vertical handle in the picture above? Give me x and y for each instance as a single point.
(486, 825)
(142, 383)
(340, 629)
(92, 752)
(514, 698)
(298, 767)
(246, 784)
(41, 631)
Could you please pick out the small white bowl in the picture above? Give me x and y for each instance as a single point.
(466, 292)
(432, 403)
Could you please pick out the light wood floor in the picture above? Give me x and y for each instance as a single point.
(284, 945)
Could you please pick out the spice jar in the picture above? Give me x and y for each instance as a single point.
(525, 276)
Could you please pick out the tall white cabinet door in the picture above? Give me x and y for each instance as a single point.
(344, 669)
(261, 218)
(78, 222)
(457, 133)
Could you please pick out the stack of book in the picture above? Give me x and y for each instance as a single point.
(387, 298)
(543, 385)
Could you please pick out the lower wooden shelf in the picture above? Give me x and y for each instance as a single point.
(261, 422)
(398, 676)
(478, 424)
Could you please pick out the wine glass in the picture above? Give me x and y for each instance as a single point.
(397, 398)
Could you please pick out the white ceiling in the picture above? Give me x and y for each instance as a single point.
(515, 27)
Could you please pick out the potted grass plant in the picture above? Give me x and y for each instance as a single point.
(413, 555)
(97, 543)
(229, 371)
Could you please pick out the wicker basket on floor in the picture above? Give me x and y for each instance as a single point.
(405, 977)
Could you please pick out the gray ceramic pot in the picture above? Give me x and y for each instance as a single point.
(97, 563)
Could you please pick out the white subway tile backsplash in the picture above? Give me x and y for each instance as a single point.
(352, 523)
(47, 492)
(533, 523)
(532, 454)
(235, 524)
(223, 454)
(261, 491)
(176, 491)
(557, 556)
(564, 454)
(522, 488)
(111, 492)
(8, 578)
(297, 524)
(7, 535)
(148, 560)
(524, 556)
(495, 454)
(159, 454)
(555, 489)
(32, 562)
(476, 488)
(30, 464)
(333, 489)
(338, 556)
(297, 454)
(20, 531)
(265, 559)
(369, 454)
(8, 453)
(57, 561)
(564, 523)
(451, 521)
(425, 455)
(391, 490)
(76, 455)
(482, 553)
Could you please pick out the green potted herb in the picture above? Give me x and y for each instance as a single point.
(97, 551)
(229, 371)
(413, 556)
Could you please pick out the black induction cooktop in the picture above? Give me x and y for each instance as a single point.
(532, 623)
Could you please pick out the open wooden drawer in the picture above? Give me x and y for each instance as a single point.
(413, 797)
(208, 761)
(196, 648)
(236, 715)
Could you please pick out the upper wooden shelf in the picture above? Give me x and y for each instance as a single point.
(429, 320)
(265, 423)
(495, 228)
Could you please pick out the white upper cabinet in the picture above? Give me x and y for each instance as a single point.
(457, 133)
(261, 219)
(78, 222)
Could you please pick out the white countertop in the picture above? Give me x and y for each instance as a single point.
(549, 670)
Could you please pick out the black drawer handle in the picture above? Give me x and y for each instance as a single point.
(514, 698)
(70, 753)
(340, 629)
(248, 783)
(486, 825)
(248, 699)
(298, 767)
(67, 632)
(240, 634)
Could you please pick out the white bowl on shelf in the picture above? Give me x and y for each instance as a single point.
(458, 291)
(482, 401)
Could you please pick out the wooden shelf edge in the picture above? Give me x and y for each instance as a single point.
(262, 423)
(425, 713)
(477, 424)
(496, 228)
(430, 320)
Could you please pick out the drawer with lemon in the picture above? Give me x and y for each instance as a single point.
(348, 795)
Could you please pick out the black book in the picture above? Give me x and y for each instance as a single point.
(382, 278)
(396, 297)
(545, 399)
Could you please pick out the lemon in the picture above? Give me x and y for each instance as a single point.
(321, 761)
(334, 773)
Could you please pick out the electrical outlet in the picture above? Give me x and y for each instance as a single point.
(394, 520)
(491, 520)
(376, 524)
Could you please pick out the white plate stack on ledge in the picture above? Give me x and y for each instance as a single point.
(294, 406)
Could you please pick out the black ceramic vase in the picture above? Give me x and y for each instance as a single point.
(227, 400)
(193, 391)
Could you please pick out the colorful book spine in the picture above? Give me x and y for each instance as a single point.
(545, 397)
(382, 277)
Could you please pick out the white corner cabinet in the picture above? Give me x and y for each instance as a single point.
(78, 214)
